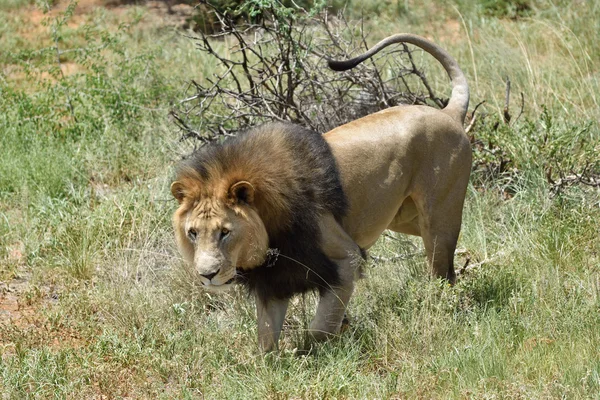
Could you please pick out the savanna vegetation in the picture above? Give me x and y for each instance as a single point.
(92, 301)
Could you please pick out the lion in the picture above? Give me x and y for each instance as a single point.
(284, 210)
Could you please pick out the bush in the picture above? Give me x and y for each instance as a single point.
(506, 8)
(271, 66)
(207, 19)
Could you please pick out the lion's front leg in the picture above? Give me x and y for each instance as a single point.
(270, 314)
(341, 249)
(331, 310)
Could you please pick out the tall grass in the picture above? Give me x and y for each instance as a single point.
(107, 311)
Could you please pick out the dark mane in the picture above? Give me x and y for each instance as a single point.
(296, 181)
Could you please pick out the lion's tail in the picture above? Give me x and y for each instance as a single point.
(459, 100)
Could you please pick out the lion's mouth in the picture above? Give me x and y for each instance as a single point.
(221, 286)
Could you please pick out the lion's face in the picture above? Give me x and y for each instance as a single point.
(219, 236)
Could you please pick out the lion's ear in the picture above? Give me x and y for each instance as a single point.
(178, 191)
(242, 191)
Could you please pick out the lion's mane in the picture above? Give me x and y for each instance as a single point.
(296, 181)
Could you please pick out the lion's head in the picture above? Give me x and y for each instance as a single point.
(218, 232)
(250, 206)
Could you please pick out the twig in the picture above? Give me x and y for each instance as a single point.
(189, 132)
(522, 107)
(423, 78)
(506, 112)
(396, 257)
(473, 117)
(469, 267)
(585, 178)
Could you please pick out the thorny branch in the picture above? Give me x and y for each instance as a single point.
(506, 111)
(274, 69)
(473, 118)
(585, 177)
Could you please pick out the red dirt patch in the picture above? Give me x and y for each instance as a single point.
(166, 13)
(35, 26)
(24, 320)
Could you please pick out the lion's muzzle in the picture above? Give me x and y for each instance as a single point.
(213, 271)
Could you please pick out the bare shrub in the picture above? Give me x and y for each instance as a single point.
(272, 66)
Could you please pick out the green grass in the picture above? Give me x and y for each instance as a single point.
(106, 311)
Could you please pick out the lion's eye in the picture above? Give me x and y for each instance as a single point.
(191, 233)
(224, 233)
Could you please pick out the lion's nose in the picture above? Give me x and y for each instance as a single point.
(210, 276)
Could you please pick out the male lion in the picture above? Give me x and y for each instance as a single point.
(283, 210)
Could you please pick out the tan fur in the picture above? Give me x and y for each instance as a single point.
(208, 216)
(415, 184)
(405, 169)
(278, 211)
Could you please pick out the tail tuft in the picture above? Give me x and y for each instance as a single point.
(338, 65)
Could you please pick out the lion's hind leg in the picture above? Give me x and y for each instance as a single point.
(439, 224)
(440, 247)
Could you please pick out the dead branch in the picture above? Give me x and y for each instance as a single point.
(473, 117)
(468, 266)
(506, 112)
(188, 131)
(275, 70)
(397, 257)
(522, 107)
(440, 103)
(586, 177)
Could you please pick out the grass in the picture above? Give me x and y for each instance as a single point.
(99, 307)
